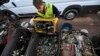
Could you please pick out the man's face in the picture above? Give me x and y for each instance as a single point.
(41, 8)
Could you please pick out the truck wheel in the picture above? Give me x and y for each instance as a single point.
(70, 14)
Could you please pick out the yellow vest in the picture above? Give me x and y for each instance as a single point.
(48, 11)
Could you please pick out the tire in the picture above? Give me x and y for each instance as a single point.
(10, 47)
(32, 45)
(70, 14)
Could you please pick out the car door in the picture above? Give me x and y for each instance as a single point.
(22, 7)
(91, 6)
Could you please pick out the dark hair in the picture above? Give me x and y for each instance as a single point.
(36, 3)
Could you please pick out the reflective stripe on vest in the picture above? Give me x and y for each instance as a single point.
(48, 12)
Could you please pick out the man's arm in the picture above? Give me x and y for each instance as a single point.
(55, 11)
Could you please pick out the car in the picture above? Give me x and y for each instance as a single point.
(69, 9)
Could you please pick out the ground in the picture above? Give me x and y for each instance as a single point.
(89, 22)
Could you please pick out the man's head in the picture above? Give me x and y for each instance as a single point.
(39, 4)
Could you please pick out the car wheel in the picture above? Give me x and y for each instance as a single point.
(70, 14)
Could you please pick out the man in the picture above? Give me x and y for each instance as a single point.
(45, 10)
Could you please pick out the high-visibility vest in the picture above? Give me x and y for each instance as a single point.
(48, 11)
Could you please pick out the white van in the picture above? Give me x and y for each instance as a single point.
(68, 8)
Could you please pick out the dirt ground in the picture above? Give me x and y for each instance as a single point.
(90, 22)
